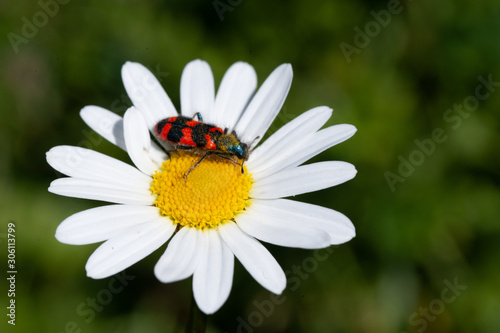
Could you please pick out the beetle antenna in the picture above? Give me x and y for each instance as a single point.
(252, 144)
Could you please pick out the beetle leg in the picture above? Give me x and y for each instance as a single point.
(198, 115)
(196, 164)
(227, 158)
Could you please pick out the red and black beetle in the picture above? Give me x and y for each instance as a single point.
(186, 133)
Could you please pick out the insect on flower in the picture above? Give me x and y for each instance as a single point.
(220, 215)
(187, 133)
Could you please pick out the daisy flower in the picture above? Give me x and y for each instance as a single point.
(218, 212)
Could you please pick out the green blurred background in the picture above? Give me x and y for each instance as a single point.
(425, 202)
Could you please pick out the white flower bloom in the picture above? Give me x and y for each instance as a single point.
(217, 212)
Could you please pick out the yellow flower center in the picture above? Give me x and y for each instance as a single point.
(213, 192)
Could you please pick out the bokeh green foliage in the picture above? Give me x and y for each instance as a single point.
(440, 224)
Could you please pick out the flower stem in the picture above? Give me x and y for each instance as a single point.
(197, 321)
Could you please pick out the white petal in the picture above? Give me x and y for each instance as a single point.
(105, 123)
(254, 257)
(88, 164)
(181, 257)
(101, 223)
(147, 94)
(128, 247)
(97, 190)
(287, 136)
(303, 179)
(197, 90)
(236, 88)
(306, 148)
(279, 229)
(299, 215)
(265, 105)
(213, 276)
(146, 155)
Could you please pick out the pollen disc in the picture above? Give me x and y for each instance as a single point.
(213, 192)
